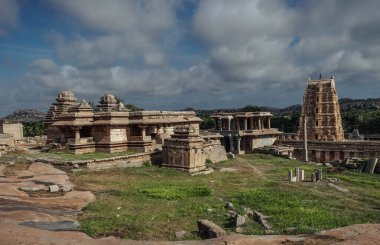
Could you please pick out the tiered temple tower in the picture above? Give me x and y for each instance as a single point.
(321, 110)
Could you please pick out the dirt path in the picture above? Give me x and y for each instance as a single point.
(257, 171)
(52, 220)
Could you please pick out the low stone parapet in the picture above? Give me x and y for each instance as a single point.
(135, 160)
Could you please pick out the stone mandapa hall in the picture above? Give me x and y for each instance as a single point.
(110, 127)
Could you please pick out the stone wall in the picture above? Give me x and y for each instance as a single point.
(15, 129)
(321, 151)
(263, 141)
(214, 152)
(135, 160)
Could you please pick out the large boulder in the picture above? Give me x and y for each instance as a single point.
(208, 229)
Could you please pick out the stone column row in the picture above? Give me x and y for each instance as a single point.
(249, 123)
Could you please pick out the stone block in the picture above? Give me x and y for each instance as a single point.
(208, 229)
(239, 220)
(53, 188)
(371, 165)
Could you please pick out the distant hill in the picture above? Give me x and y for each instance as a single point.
(25, 115)
(348, 104)
(345, 105)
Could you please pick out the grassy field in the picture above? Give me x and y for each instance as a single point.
(153, 203)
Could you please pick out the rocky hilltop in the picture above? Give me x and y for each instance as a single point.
(25, 116)
(345, 105)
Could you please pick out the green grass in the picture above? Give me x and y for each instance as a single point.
(151, 203)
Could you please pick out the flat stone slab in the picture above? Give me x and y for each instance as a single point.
(338, 187)
(53, 188)
(54, 226)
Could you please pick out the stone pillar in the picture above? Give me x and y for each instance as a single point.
(238, 139)
(260, 123)
(229, 124)
(313, 177)
(268, 122)
(77, 134)
(231, 143)
(305, 139)
(143, 131)
(252, 127)
(302, 175)
(245, 123)
(220, 124)
(320, 172)
(297, 170)
(290, 175)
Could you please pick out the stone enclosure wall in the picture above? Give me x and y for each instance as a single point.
(214, 152)
(322, 151)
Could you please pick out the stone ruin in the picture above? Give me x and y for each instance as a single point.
(299, 175)
(109, 126)
(188, 151)
(359, 165)
(244, 132)
(10, 133)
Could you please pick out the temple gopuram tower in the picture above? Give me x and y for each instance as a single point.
(321, 110)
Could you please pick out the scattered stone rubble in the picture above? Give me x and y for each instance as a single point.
(239, 220)
(338, 187)
(277, 150)
(360, 165)
(208, 229)
(300, 175)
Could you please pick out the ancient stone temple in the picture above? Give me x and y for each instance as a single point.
(245, 131)
(184, 150)
(321, 111)
(110, 127)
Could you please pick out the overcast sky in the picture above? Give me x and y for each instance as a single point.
(172, 54)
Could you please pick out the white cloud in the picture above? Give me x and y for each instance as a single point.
(8, 15)
(123, 31)
(260, 44)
